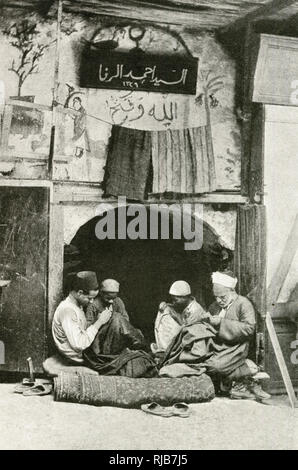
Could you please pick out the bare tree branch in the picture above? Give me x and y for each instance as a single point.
(23, 36)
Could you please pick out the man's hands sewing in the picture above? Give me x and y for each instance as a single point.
(104, 316)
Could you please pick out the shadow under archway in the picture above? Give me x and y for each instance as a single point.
(146, 268)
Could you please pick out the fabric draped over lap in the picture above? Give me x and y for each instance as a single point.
(118, 349)
(226, 360)
(128, 162)
(131, 392)
(183, 161)
(191, 347)
(200, 348)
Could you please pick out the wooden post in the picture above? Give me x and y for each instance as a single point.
(210, 152)
(55, 269)
(55, 89)
(250, 265)
(7, 117)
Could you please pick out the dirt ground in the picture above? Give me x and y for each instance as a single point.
(41, 423)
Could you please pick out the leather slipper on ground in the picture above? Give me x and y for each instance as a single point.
(38, 390)
(156, 409)
(27, 384)
(180, 409)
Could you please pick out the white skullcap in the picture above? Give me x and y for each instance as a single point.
(110, 285)
(180, 288)
(224, 280)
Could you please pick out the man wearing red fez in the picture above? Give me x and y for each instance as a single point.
(69, 327)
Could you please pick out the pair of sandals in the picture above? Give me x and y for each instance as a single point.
(178, 409)
(37, 387)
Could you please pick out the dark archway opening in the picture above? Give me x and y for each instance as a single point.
(146, 268)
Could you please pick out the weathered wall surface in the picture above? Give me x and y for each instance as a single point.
(27, 51)
(223, 223)
(281, 182)
(40, 81)
(27, 149)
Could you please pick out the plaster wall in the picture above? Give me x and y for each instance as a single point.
(281, 182)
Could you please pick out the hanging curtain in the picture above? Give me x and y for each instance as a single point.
(128, 163)
(183, 161)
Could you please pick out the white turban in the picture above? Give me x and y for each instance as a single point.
(180, 288)
(224, 280)
(110, 285)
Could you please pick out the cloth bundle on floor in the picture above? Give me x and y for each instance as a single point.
(131, 393)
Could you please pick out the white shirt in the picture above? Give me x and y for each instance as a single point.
(69, 329)
(222, 313)
(166, 328)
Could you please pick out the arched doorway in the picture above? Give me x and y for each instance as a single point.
(146, 268)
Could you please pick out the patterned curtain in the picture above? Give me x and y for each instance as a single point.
(183, 161)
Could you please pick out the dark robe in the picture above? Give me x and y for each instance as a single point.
(230, 346)
(219, 351)
(188, 351)
(98, 306)
(118, 348)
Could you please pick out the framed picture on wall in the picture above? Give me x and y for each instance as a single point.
(26, 131)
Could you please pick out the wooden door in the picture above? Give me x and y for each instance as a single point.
(24, 260)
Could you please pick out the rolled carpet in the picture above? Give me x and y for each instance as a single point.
(128, 392)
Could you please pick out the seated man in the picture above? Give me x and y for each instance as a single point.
(183, 310)
(106, 299)
(118, 348)
(69, 328)
(233, 317)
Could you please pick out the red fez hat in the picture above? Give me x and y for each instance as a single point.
(86, 281)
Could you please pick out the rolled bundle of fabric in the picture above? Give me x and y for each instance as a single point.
(131, 393)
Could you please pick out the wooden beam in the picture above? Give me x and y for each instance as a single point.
(43, 7)
(198, 15)
(256, 164)
(25, 183)
(72, 192)
(24, 104)
(265, 10)
(195, 14)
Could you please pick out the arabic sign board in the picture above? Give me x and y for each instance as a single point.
(139, 72)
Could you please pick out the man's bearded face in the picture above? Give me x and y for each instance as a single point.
(180, 301)
(108, 297)
(223, 295)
